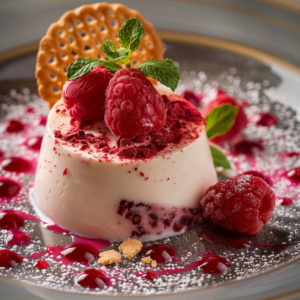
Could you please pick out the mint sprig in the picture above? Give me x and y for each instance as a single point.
(220, 120)
(219, 158)
(165, 71)
(83, 66)
(130, 36)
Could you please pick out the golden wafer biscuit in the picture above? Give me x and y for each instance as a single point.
(80, 33)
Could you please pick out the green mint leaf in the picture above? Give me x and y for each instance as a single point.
(164, 71)
(83, 66)
(220, 120)
(130, 34)
(121, 55)
(108, 48)
(219, 158)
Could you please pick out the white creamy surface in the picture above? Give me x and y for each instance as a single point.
(86, 200)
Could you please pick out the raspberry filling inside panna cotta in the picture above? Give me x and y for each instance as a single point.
(96, 184)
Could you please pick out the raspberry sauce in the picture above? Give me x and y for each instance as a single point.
(41, 264)
(246, 147)
(9, 259)
(34, 143)
(209, 263)
(16, 237)
(82, 250)
(9, 188)
(161, 253)
(10, 219)
(18, 165)
(286, 201)
(42, 120)
(92, 279)
(266, 120)
(14, 126)
(294, 175)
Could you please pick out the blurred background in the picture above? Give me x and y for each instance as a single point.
(272, 26)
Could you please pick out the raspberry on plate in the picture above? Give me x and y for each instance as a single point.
(133, 106)
(243, 204)
(84, 97)
(241, 120)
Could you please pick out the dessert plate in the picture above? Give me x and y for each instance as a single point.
(256, 267)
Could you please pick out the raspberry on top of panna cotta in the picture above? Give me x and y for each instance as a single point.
(148, 157)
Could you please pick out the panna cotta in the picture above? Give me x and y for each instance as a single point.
(98, 185)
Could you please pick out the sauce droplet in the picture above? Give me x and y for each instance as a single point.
(34, 143)
(92, 279)
(161, 253)
(9, 259)
(14, 126)
(17, 164)
(17, 237)
(41, 264)
(9, 188)
(294, 175)
(266, 120)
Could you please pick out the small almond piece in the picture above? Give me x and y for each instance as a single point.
(153, 264)
(131, 247)
(146, 260)
(109, 257)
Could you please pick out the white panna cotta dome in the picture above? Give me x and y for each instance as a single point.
(93, 191)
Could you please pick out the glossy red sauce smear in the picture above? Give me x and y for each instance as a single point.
(266, 120)
(209, 263)
(9, 259)
(289, 154)
(294, 175)
(15, 237)
(246, 147)
(286, 201)
(29, 110)
(92, 279)
(14, 126)
(42, 120)
(82, 250)
(18, 165)
(238, 244)
(161, 253)
(41, 264)
(9, 188)
(10, 219)
(34, 143)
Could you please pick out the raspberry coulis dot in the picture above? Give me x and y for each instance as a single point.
(17, 165)
(9, 188)
(294, 175)
(14, 126)
(41, 264)
(9, 259)
(161, 253)
(92, 279)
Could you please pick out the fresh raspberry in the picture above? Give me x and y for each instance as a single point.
(133, 106)
(84, 97)
(241, 120)
(243, 204)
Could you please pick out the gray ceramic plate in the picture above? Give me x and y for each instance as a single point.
(215, 62)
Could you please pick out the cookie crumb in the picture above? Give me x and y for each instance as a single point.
(153, 264)
(131, 247)
(146, 260)
(109, 257)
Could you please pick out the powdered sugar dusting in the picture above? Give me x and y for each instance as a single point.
(190, 247)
